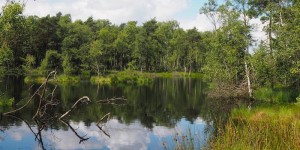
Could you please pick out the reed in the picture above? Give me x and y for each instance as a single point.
(264, 127)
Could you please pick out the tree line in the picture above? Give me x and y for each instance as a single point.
(31, 43)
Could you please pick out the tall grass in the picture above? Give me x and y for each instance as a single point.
(268, 127)
(275, 95)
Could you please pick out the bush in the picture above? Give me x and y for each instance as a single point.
(7, 102)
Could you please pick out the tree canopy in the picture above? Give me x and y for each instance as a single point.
(74, 47)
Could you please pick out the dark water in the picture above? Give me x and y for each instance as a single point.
(153, 116)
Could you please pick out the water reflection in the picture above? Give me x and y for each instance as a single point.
(149, 120)
(131, 136)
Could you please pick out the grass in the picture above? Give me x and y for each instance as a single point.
(276, 95)
(263, 127)
(175, 74)
(123, 77)
(100, 80)
(59, 79)
(130, 77)
(67, 78)
(116, 77)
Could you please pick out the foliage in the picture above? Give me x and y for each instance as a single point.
(52, 61)
(95, 46)
(7, 102)
(276, 95)
(130, 77)
(29, 64)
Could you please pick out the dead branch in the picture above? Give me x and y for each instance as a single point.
(38, 135)
(43, 92)
(82, 99)
(100, 128)
(35, 93)
(82, 138)
(107, 115)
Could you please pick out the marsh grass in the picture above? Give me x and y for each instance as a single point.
(188, 140)
(175, 74)
(59, 79)
(264, 127)
(100, 80)
(276, 95)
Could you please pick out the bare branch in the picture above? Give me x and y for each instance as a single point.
(100, 128)
(35, 93)
(43, 92)
(82, 99)
(82, 138)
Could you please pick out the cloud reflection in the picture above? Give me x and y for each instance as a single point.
(122, 136)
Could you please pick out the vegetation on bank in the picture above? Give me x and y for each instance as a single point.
(115, 77)
(262, 127)
(221, 55)
(59, 79)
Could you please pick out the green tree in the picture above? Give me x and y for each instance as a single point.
(12, 33)
(75, 46)
(52, 61)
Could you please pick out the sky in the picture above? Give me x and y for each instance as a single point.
(186, 12)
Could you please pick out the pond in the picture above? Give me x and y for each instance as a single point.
(161, 115)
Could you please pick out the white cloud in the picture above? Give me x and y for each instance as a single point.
(120, 11)
(258, 32)
(201, 22)
(117, 11)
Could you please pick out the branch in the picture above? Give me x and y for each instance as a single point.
(35, 93)
(100, 128)
(80, 137)
(43, 92)
(83, 99)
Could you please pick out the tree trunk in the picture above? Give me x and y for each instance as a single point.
(98, 69)
(248, 79)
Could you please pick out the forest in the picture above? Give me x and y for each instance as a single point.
(36, 45)
(255, 82)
